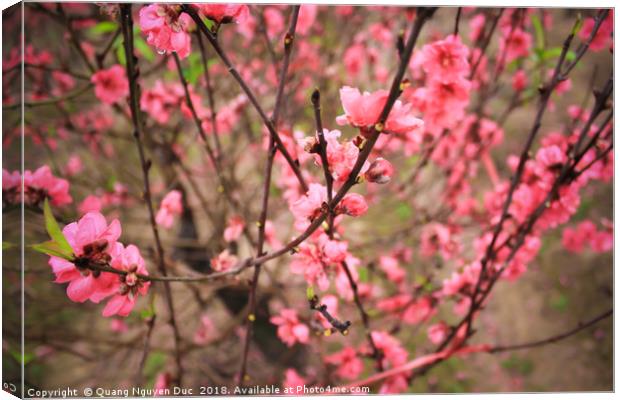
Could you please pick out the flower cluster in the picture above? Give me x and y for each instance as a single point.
(37, 186)
(166, 28)
(95, 247)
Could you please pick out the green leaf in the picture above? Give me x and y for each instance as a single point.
(154, 363)
(110, 182)
(52, 248)
(7, 245)
(310, 292)
(145, 50)
(539, 31)
(560, 302)
(120, 54)
(578, 24)
(53, 229)
(403, 211)
(363, 274)
(147, 313)
(27, 357)
(103, 27)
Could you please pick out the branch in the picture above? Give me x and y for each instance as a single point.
(288, 47)
(556, 338)
(248, 92)
(134, 105)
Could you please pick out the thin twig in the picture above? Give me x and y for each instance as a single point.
(134, 105)
(288, 47)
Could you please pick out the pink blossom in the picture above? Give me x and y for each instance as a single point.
(234, 229)
(435, 238)
(89, 204)
(118, 325)
(307, 18)
(308, 207)
(38, 185)
(341, 158)
(166, 28)
(162, 384)
(161, 100)
(225, 13)
(170, 207)
(129, 260)
(446, 59)
(437, 332)
(476, 26)
(352, 204)
(74, 165)
(292, 381)
(390, 266)
(380, 171)
(205, 332)
(274, 20)
(318, 257)
(419, 311)
(94, 242)
(353, 59)
(363, 111)
(603, 38)
(290, 330)
(519, 80)
(111, 85)
(514, 44)
(602, 241)
(350, 366)
(223, 262)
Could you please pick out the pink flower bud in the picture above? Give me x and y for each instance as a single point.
(380, 171)
(352, 204)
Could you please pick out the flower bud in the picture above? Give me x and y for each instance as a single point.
(311, 144)
(380, 171)
(352, 204)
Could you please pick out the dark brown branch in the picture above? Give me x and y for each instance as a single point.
(457, 21)
(288, 47)
(342, 327)
(134, 105)
(210, 97)
(556, 338)
(329, 179)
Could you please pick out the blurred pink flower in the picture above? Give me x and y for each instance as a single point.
(290, 330)
(111, 85)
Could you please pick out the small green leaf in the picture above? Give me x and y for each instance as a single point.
(145, 50)
(7, 245)
(103, 27)
(120, 54)
(27, 357)
(540, 32)
(147, 313)
(52, 248)
(54, 230)
(403, 211)
(578, 24)
(310, 292)
(154, 363)
(560, 302)
(363, 274)
(110, 182)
